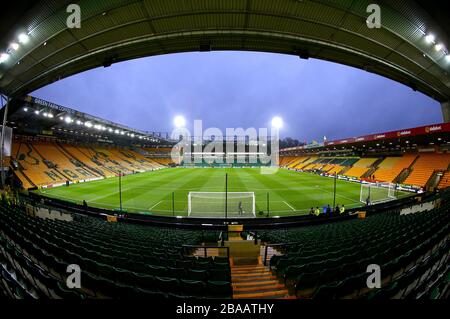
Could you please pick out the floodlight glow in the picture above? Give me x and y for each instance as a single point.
(4, 57)
(50, 115)
(132, 135)
(45, 114)
(179, 121)
(430, 38)
(15, 46)
(110, 130)
(79, 122)
(25, 109)
(277, 122)
(88, 124)
(438, 46)
(117, 131)
(36, 112)
(68, 119)
(23, 38)
(447, 57)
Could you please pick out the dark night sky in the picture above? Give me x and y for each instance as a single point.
(245, 89)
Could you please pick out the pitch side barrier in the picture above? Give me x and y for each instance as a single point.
(220, 223)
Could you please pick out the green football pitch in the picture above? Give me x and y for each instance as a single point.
(287, 192)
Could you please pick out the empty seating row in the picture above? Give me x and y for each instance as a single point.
(118, 260)
(425, 166)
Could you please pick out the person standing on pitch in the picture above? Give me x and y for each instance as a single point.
(240, 208)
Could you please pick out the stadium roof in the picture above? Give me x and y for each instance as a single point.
(113, 31)
(429, 135)
(35, 116)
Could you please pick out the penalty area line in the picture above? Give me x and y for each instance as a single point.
(289, 205)
(155, 205)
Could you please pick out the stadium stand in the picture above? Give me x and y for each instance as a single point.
(34, 170)
(82, 154)
(305, 164)
(360, 167)
(445, 180)
(286, 160)
(118, 260)
(49, 163)
(160, 155)
(297, 161)
(391, 167)
(425, 166)
(329, 261)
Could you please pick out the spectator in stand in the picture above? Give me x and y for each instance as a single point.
(336, 211)
(317, 211)
(328, 210)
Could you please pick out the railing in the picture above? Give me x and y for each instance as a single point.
(188, 248)
(282, 245)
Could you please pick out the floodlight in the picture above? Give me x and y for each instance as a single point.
(277, 122)
(179, 121)
(25, 109)
(430, 38)
(4, 57)
(68, 119)
(23, 38)
(438, 46)
(15, 46)
(447, 57)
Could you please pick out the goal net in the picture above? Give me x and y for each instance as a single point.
(214, 204)
(372, 193)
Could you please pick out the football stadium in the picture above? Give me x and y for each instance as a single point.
(97, 205)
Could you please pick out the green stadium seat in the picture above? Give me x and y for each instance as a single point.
(157, 271)
(199, 275)
(218, 289)
(166, 284)
(326, 292)
(192, 287)
(219, 275)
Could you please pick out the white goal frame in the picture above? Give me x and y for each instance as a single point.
(229, 194)
(389, 187)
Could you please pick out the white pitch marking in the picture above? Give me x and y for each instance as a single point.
(289, 206)
(155, 205)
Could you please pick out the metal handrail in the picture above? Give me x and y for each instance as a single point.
(276, 245)
(205, 248)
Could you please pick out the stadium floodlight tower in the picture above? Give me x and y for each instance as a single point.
(277, 122)
(179, 121)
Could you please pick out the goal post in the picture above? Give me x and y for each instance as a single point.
(212, 204)
(373, 193)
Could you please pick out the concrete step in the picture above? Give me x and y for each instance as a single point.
(255, 283)
(261, 288)
(275, 293)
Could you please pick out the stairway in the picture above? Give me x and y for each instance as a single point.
(257, 281)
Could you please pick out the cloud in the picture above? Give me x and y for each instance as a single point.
(245, 89)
